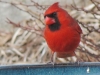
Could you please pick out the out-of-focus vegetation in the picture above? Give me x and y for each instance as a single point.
(26, 45)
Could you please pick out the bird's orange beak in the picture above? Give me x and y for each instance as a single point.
(49, 21)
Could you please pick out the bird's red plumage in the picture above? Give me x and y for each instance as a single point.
(65, 40)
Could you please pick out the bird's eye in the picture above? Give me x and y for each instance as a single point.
(44, 16)
(54, 13)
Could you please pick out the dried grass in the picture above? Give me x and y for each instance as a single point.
(27, 46)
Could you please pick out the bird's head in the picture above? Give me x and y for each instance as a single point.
(51, 17)
(55, 17)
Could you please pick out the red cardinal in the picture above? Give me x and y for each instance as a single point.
(62, 33)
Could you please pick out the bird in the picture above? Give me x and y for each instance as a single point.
(62, 32)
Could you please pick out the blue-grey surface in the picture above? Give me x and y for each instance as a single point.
(87, 69)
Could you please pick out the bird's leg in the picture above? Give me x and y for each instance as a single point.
(78, 59)
(51, 59)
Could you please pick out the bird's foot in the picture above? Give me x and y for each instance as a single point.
(78, 61)
(50, 62)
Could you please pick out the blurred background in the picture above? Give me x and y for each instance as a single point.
(22, 24)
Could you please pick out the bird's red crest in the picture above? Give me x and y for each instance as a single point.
(52, 8)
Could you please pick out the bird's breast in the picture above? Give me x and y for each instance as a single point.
(62, 40)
